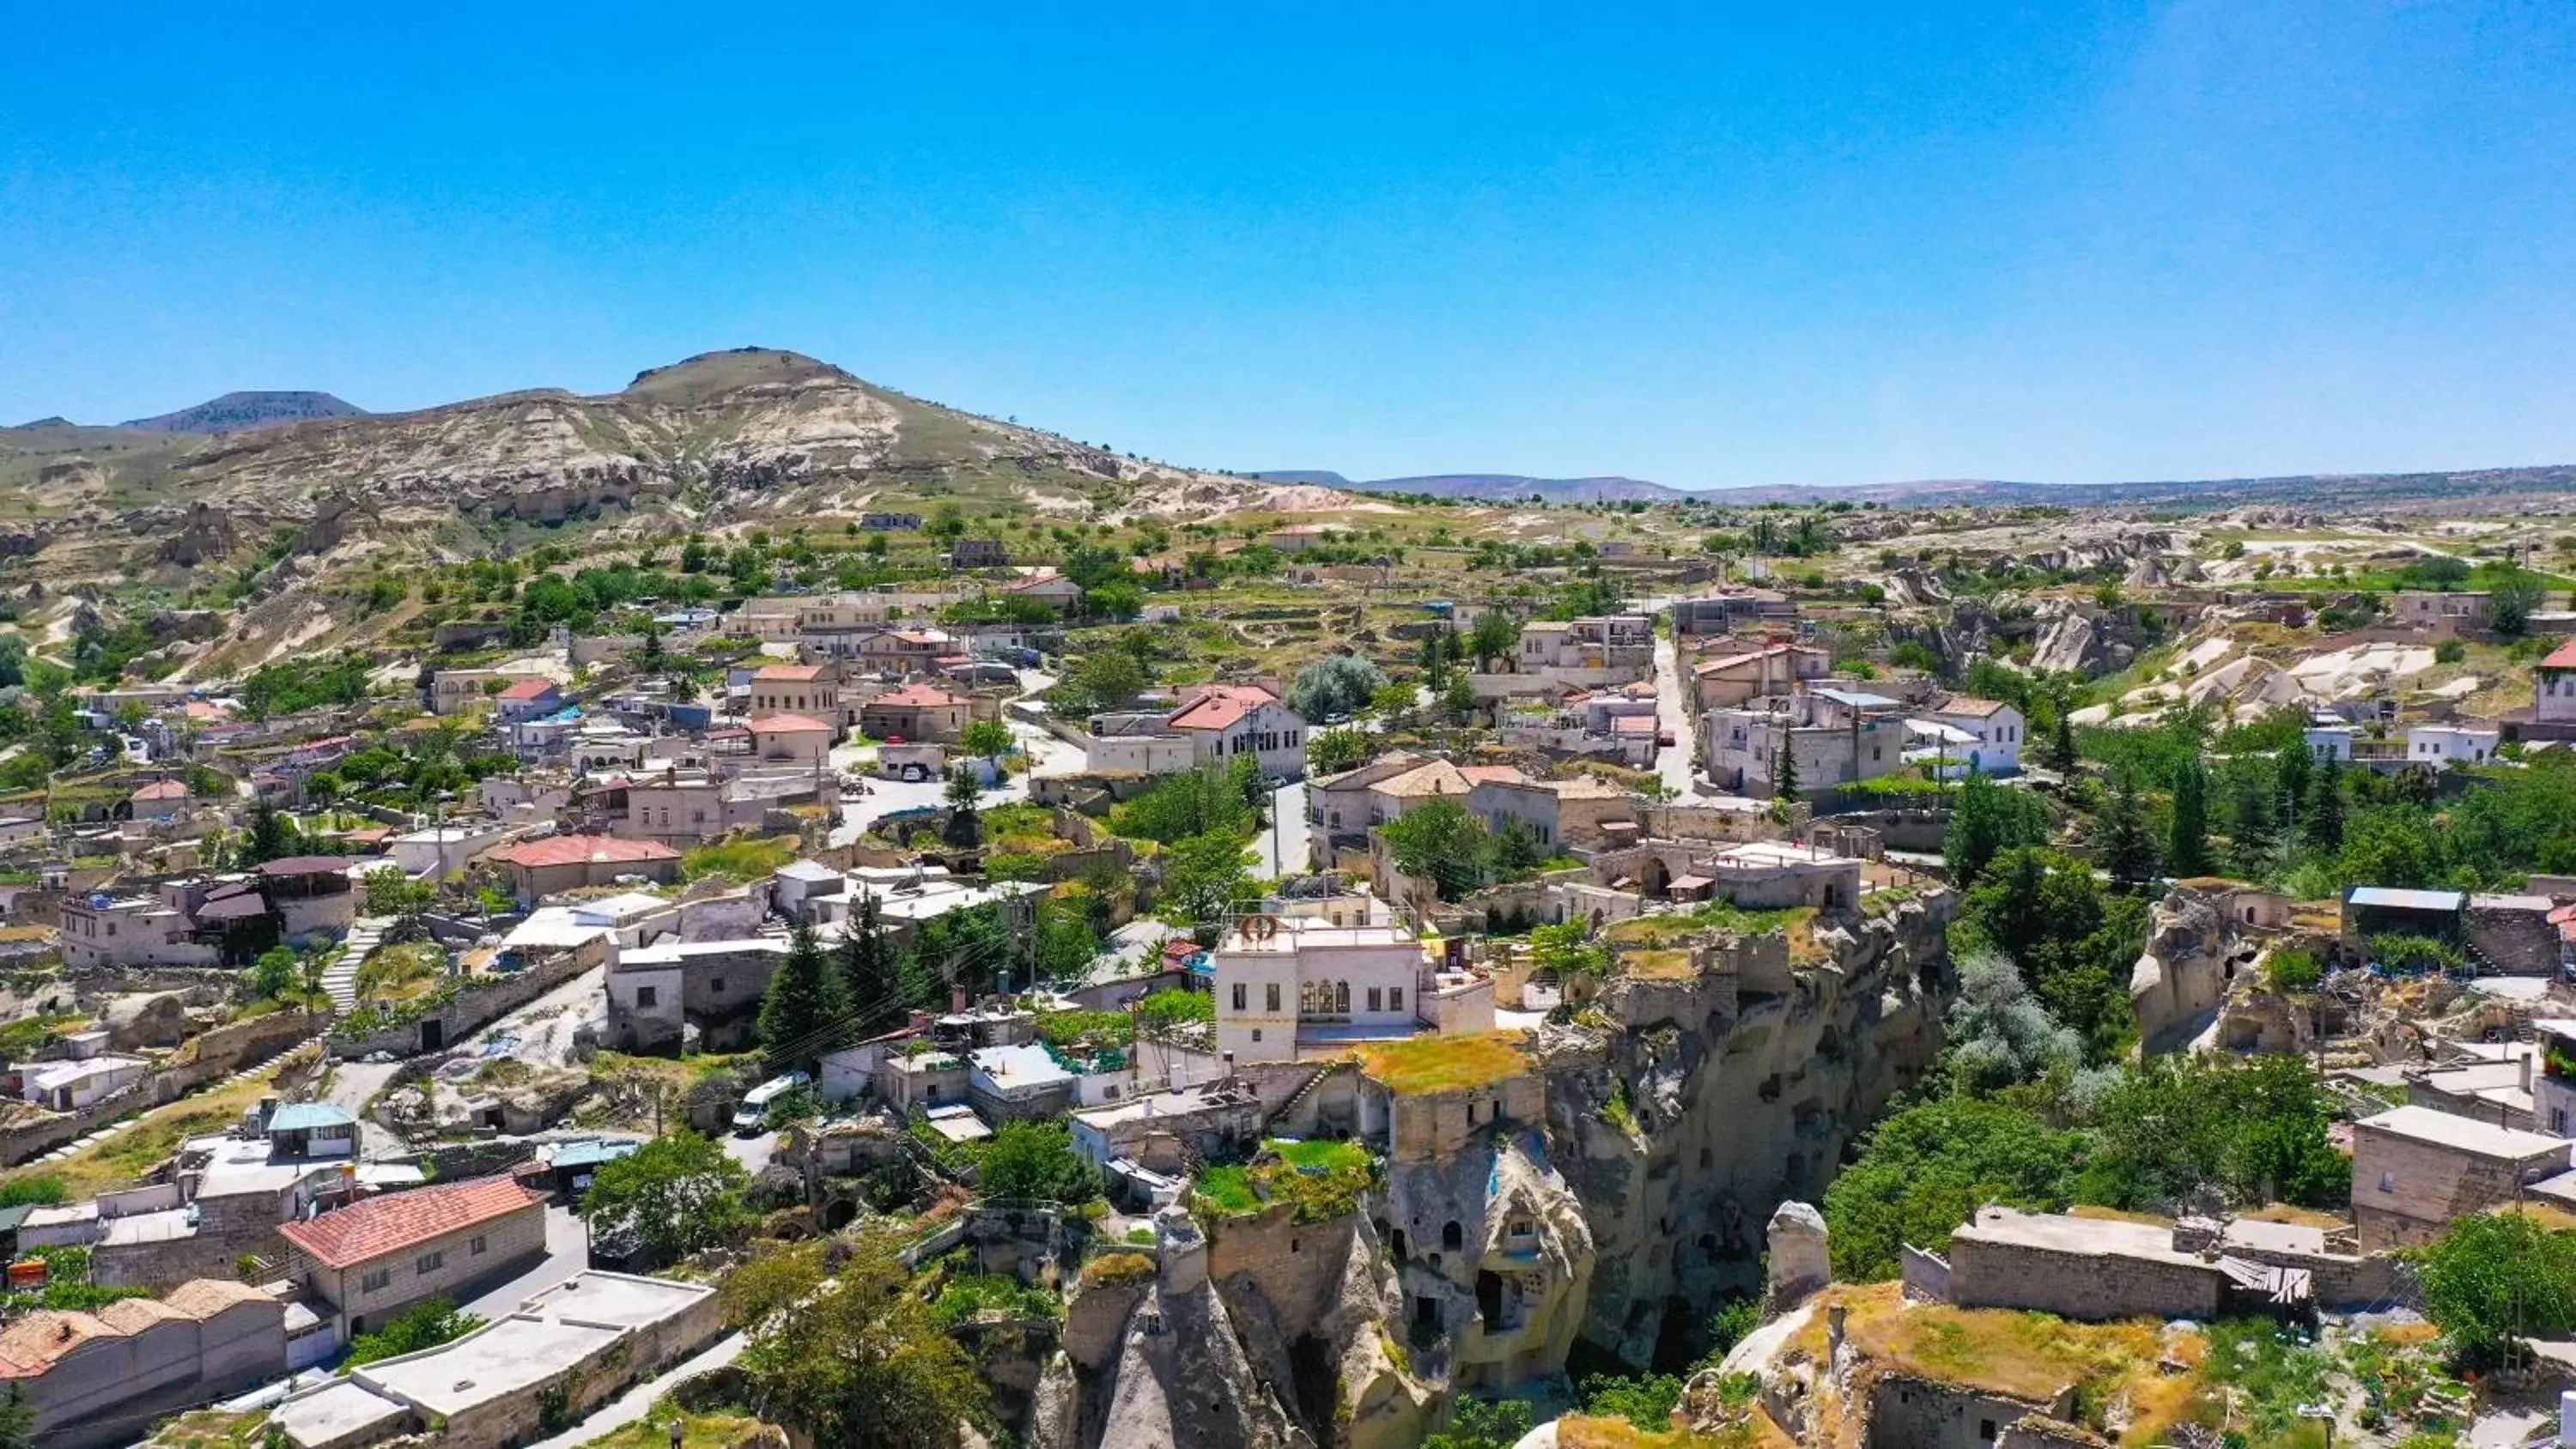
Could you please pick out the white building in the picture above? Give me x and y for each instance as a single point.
(1229, 720)
(1995, 730)
(1288, 988)
(442, 851)
(2443, 745)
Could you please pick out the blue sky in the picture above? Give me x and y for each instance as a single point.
(2066, 241)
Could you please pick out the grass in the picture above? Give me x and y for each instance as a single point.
(210, 1429)
(1583, 1431)
(1229, 1189)
(1118, 1268)
(707, 1429)
(401, 973)
(1424, 1065)
(742, 858)
(1322, 1156)
(121, 1159)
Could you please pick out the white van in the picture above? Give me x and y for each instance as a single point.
(754, 1112)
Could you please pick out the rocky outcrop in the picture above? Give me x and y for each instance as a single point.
(1798, 1259)
(2182, 976)
(1691, 1109)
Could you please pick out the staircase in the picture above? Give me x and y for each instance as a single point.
(340, 981)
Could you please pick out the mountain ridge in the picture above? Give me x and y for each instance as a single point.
(237, 412)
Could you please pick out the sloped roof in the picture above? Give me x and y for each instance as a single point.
(529, 689)
(401, 1221)
(163, 790)
(919, 696)
(2562, 657)
(203, 1298)
(1221, 706)
(575, 849)
(29, 1346)
(1436, 778)
(1970, 706)
(788, 673)
(778, 724)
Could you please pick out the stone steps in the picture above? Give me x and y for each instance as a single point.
(340, 982)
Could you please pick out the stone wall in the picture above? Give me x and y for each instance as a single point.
(1906, 1412)
(2090, 1287)
(2516, 942)
(205, 1058)
(473, 1009)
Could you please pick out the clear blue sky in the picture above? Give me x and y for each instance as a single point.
(2061, 240)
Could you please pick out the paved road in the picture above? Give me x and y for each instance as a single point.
(1672, 715)
(1282, 848)
(752, 1152)
(541, 1031)
(567, 1253)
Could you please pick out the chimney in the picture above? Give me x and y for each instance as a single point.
(2526, 1067)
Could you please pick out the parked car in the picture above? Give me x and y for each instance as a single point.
(754, 1112)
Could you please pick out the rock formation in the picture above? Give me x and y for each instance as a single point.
(1798, 1260)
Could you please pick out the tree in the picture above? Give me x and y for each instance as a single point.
(1927, 1168)
(1494, 636)
(1206, 879)
(392, 893)
(1987, 819)
(986, 739)
(677, 1194)
(2187, 839)
(2293, 769)
(2514, 594)
(2249, 828)
(1440, 841)
(965, 828)
(2253, 1130)
(1106, 679)
(17, 1420)
(422, 1326)
(1329, 752)
(273, 974)
(2128, 845)
(2324, 823)
(1393, 703)
(841, 1348)
(2061, 742)
(1515, 848)
(1999, 1033)
(1035, 1162)
(272, 836)
(866, 967)
(2074, 944)
(1485, 1424)
(1784, 768)
(805, 1012)
(1458, 701)
(1338, 684)
(2494, 1278)
(1194, 802)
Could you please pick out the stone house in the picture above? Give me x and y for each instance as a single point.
(793, 739)
(527, 699)
(657, 992)
(372, 1260)
(1995, 729)
(1288, 988)
(1734, 678)
(96, 1379)
(1835, 741)
(808, 689)
(1226, 721)
(917, 713)
(1732, 609)
(540, 868)
(2414, 1170)
(2449, 612)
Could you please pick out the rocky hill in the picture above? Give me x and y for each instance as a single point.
(237, 412)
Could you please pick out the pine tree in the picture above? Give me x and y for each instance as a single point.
(2325, 806)
(2128, 846)
(2250, 817)
(2294, 770)
(1784, 768)
(2061, 741)
(804, 1009)
(867, 975)
(2187, 843)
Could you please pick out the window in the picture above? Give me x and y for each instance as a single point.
(1256, 1034)
(430, 1263)
(475, 1248)
(646, 995)
(1271, 993)
(716, 987)
(1986, 1430)
(1395, 998)
(1238, 996)
(375, 1280)
(1374, 995)
(2388, 1182)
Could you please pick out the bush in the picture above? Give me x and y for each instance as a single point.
(424, 1325)
(1118, 1268)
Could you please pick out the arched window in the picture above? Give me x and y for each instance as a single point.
(1452, 1236)
(1342, 998)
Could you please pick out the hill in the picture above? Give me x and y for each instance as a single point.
(2377, 489)
(237, 412)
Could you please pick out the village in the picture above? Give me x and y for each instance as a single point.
(1476, 1002)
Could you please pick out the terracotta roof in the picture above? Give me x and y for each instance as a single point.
(528, 689)
(576, 849)
(779, 724)
(1492, 774)
(918, 696)
(789, 673)
(1221, 706)
(2562, 657)
(134, 1315)
(1970, 706)
(294, 865)
(1632, 724)
(401, 1221)
(1437, 778)
(163, 790)
(203, 1298)
(29, 1346)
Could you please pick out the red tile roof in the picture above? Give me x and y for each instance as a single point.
(295, 865)
(1968, 705)
(163, 790)
(918, 696)
(529, 689)
(401, 1221)
(1222, 706)
(789, 673)
(785, 724)
(577, 849)
(2562, 657)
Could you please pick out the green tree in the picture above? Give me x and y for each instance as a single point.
(1485, 1424)
(965, 828)
(986, 739)
(2073, 943)
(1458, 701)
(2128, 844)
(1338, 684)
(2249, 826)
(1986, 819)
(1330, 752)
(1206, 880)
(1194, 802)
(271, 836)
(1440, 841)
(676, 1195)
(1926, 1169)
(805, 1012)
(17, 1420)
(2494, 1278)
(273, 974)
(1495, 636)
(2187, 839)
(1784, 769)
(2514, 594)
(2324, 823)
(1106, 679)
(2061, 742)
(842, 1348)
(421, 1326)
(1035, 1162)
(392, 893)
(866, 966)
(2253, 1130)
(2294, 770)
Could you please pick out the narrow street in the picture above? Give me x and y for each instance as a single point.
(1672, 715)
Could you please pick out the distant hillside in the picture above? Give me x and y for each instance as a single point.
(239, 412)
(2187, 494)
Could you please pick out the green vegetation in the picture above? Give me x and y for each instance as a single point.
(1035, 1162)
(843, 1349)
(421, 1326)
(2494, 1278)
(673, 1196)
(1423, 1065)
(965, 1295)
(739, 858)
(1322, 1181)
